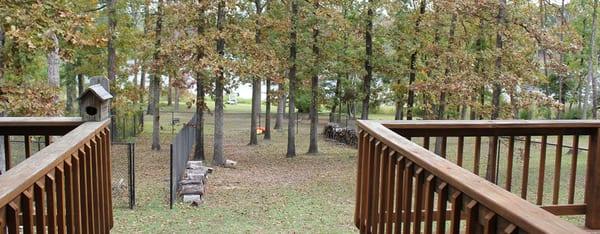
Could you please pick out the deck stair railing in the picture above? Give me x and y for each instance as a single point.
(488, 176)
(63, 188)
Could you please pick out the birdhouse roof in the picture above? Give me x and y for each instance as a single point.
(97, 90)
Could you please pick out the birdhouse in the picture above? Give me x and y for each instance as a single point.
(94, 103)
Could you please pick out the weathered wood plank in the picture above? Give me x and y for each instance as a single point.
(27, 140)
(540, 189)
(472, 219)
(27, 210)
(573, 176)
(525, 176)
(359, 178)
(442, 203)
(477, 155)
(60, 199)
(429, 190)
(530, 217)
(391, 174)
(40, 199)
(20, 177)
(407, 196)
(557, 167)
(400, 165)
(456, 200)
(565, 209)
(460, 150)
(7, 153)
(592, 185)
(51, 202)
(509, 162)
(418, 212)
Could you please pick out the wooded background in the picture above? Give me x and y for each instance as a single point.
(428, 59)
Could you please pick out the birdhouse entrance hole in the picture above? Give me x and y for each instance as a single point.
(90, 110)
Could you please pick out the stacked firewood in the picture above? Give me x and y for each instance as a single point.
(343, 135)
(193, 184)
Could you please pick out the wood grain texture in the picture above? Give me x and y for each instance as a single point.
(505, 206)
(63, 188)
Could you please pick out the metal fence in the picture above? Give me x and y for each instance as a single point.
(181, 148)
(123, 174)
(19, 148)
(126, 126)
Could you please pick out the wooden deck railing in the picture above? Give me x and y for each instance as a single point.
(63, 188)
(402, 186)
(30, 127)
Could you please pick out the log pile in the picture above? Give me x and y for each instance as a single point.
(346, 136)
(193, 185)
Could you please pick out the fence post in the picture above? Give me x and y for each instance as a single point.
(131, 154)
(171, 180)
(113, 128)
(592, 182)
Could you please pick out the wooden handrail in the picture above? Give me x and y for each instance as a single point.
(69, 179)
(505, 204)
(40, 121)
(489, 124)
(56, 126)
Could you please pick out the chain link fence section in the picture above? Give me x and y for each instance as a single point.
(124, 127)
(123, 174)
(181, 149)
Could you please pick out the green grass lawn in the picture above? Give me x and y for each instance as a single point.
(269, 193)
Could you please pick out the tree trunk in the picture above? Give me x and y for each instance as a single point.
(112, 25)
(591, 68)
(480, 71)
(313, 147)
(413, 65)
(176, 107)
(54, 62)
(170, 89)
(291, 146)
(3, 166)
(543, 49)
(71, 95)
(336, 99)
(368, 62)
(156, 78)
(135, 74)
(442, 101)
(255, 110)
(492, 157)
(497, 88)
(2, 47)
(150, 96)
(268, 112)
(79, 84)
(199, 146)
(280, 107)
(143, 61)
(218, 157)
(256, 82)
(472, 110)
(142, 82)
(561, 76)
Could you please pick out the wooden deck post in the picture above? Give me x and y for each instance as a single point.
(592, 184)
